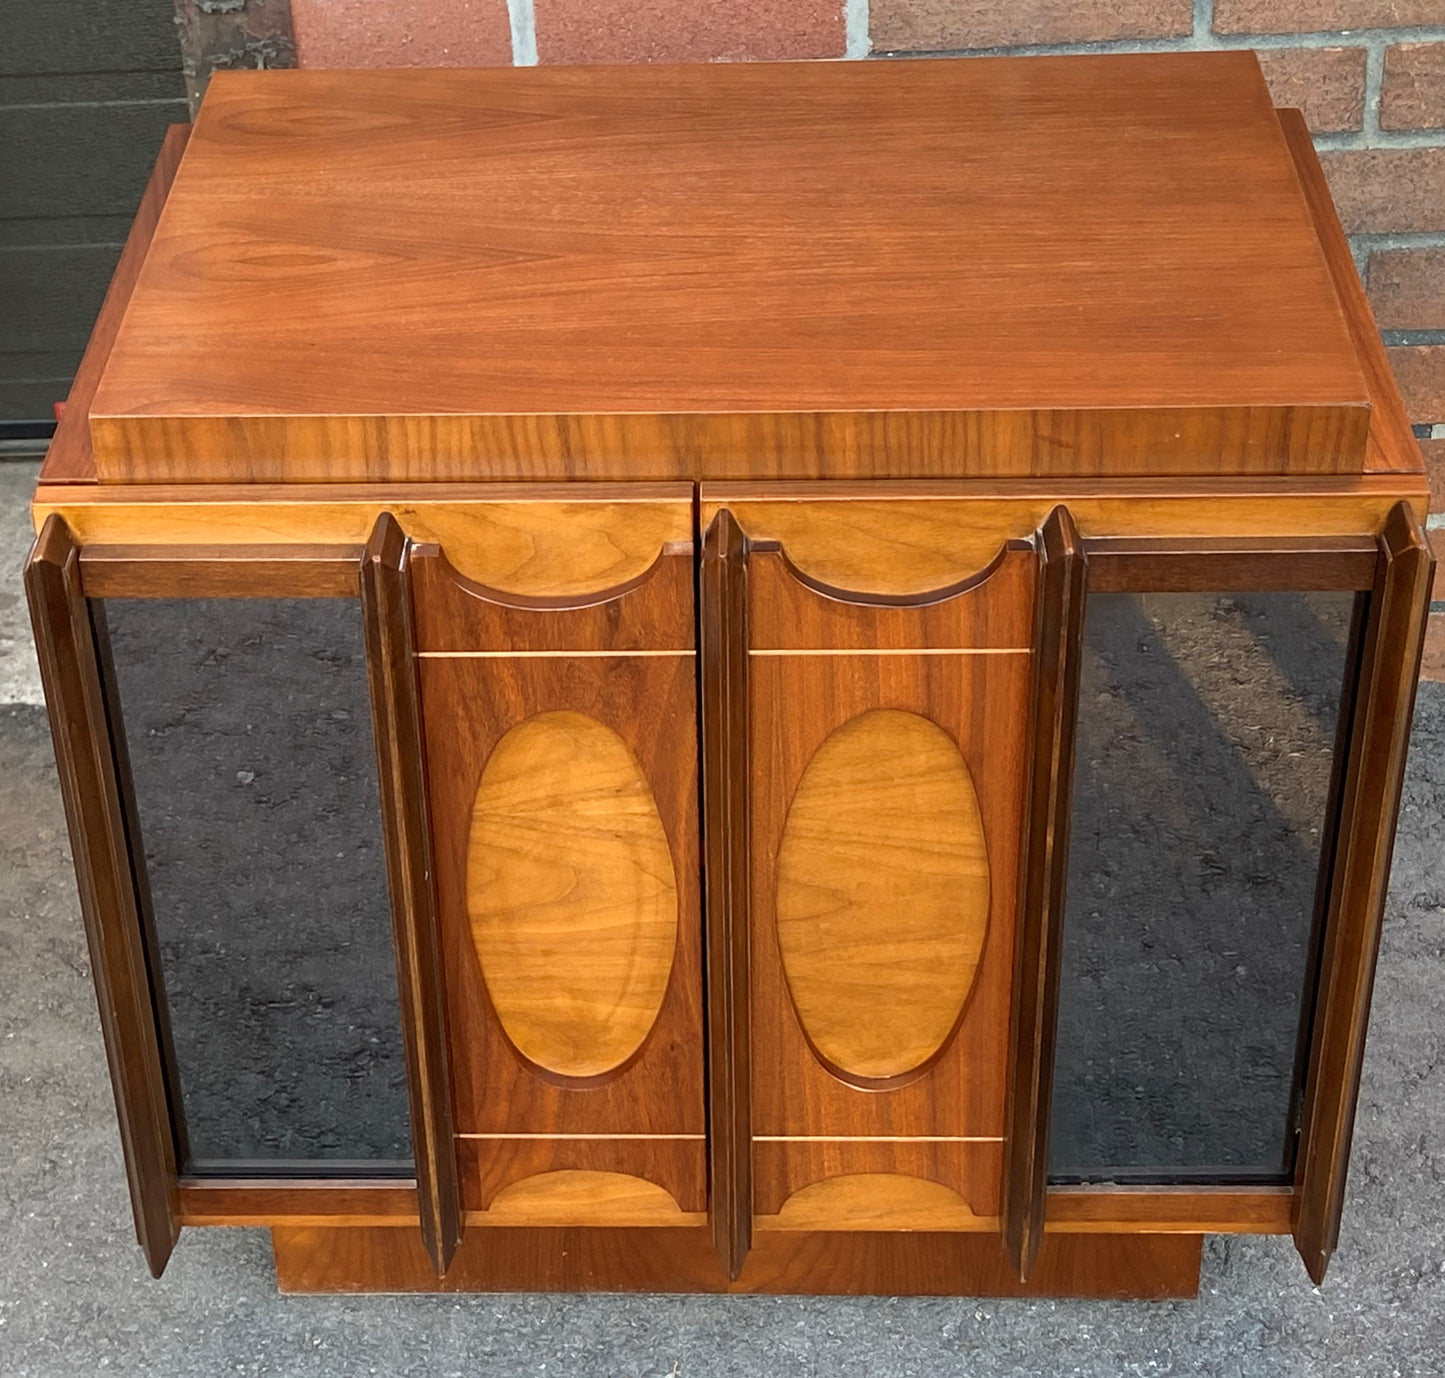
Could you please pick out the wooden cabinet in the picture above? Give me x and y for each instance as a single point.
(740, 810)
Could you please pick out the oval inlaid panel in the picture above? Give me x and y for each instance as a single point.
(882, 900)
(571, 894)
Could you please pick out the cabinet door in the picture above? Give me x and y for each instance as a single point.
(561, 746)
(886, 736)
(213, 722)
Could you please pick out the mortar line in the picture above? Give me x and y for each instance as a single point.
(855, 29)
(524, 32)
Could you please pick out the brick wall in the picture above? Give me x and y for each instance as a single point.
(1368, 74)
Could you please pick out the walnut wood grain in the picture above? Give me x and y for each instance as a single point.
(643, 273)
(1369, 806)
(386, 600)
(907, 538)
(651, 615)
(470, 703)
(221, 571)
(860, 1263)
(308, 1201)
(805, 1119)
(675, 1163)
(820, 515)
(571, 894)
(783, 1165)
(1174, 1210)
(723, 703)
(69, 458)
(94, 814)
(1058, 644)
(876, 1201)
(882, 895)
(1167, 564)
(581, 1197)
(529, 540)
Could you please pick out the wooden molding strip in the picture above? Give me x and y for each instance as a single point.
(396, 709)
(220, 571)
(1169, 1210)
(1370, 802)
(95, 814)
(1058, 635)
(724, 668)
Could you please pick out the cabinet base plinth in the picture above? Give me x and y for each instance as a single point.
(597, 1259)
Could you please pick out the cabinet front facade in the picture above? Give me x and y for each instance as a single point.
(775, 888)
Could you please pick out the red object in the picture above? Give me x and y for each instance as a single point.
(60, 411)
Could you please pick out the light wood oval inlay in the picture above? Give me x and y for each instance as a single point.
(876, 1201)
(882, 894)
(576, 1197)
(571, 894)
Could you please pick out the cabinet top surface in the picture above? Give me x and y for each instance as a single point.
(354, 270)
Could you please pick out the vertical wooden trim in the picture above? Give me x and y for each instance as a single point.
(1370, 803)
(1058, 632)
(396, 712)
(724, 661)
(95, 814)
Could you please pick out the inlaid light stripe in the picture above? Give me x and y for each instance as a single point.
(896, 651)
(675, 1138)
(877, 1138)
(544, 655)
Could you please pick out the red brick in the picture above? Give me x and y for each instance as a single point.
(1420, 372)
(1319, 16)
(1388, 190)
(1432, 664)
(687, 31)
(1328, 84)
(1434, 452)
(934, 25)
(1407, 288)
(402, 33)
(1413, 96)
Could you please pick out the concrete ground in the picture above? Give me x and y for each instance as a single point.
(75, 1297)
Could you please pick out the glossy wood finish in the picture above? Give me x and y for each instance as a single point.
(527, 540)
(723, 692)
(390, 642)
(876, 1201)
(1374, 775)
(190, 571)
(841, 534)
(1153, 1266)
(889, 537)
(1058, 637)
(489, 664)
(571, 894)
(1391, 445)
(1172, 1210)
(1260, 564)
(882, 894)
(579, 1197)
(309, 1201)
(94, 812)
(69, 458)
(819, 661)
(612, 323)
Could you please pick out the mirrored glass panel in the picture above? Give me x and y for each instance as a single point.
(247, 724)
(1206, 740)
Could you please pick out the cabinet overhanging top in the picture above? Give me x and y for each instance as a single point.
(775, 270)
